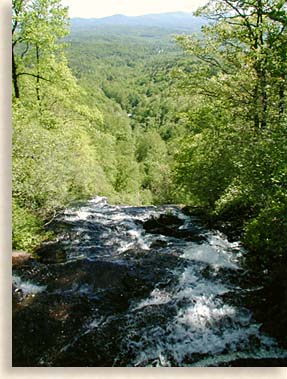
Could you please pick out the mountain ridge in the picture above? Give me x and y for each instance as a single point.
(174, 20)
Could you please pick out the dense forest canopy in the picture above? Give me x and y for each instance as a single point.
(243, 61)
(97, 111)
(154, 110)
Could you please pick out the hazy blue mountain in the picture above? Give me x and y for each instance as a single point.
(177, 21)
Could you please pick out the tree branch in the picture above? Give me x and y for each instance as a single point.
(26, 50)
(34, 75)
(244, 16)
(212, 61)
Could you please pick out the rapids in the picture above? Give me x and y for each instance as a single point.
(136, 286)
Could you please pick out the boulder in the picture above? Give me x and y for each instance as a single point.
(20, 258)
(170, 226)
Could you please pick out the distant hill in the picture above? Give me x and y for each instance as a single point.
(175, 21)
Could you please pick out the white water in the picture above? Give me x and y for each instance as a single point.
(188, 322)
(27, 287)
(203, 325)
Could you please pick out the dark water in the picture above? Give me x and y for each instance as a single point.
(136, 286)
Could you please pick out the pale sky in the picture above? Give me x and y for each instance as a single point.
(102, 8)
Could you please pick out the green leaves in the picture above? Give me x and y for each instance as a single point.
(266, 234)
(235, 155)
(38, 28)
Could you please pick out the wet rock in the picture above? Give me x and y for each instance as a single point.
(158, 244)
(17, 297)
(75, 275)
(270, 305)
(164, 220)
(108, 294)
(76, 293)
(47, 322)
(52, 252)
(169, 225)
(97, 347)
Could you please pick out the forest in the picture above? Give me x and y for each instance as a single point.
(146, 115)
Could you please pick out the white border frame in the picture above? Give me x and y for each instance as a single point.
(6, 370)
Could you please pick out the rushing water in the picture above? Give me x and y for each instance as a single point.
(135, 286)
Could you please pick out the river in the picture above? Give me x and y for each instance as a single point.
(136, 286)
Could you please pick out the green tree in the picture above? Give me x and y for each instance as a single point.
(37, 27)
(152, 155)
(235, 155)
(55, 158)
(243, 53)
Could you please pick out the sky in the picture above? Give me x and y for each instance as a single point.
(103, 8)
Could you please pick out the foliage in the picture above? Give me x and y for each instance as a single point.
(235, 154)
(124, 112)
(266, 235)
(27, 229)
(87, 125)
(133, 116)
(134, 96)
(204, 167)
(37, 27)
(154, 165)
(233, 159)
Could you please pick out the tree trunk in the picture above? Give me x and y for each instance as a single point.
(14, 76)
(38, 73)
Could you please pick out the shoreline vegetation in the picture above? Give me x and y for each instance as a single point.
(145, 114)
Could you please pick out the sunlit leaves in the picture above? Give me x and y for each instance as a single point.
(235, 156)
